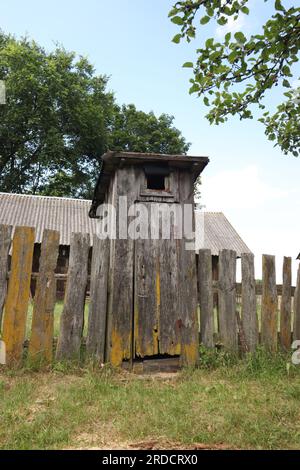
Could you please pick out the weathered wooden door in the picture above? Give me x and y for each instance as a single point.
(156, 298)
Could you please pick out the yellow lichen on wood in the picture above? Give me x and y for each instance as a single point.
(41, 340)
(118, 352)
(175, 350)
(16, 306)
(189, 354)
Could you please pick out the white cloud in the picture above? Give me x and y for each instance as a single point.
(238, 189)
(232, 26)
(262, 213)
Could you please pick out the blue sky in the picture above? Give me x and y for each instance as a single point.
(130, 40)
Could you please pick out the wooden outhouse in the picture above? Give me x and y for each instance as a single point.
(151, 307)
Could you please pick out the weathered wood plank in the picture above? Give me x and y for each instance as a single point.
(72, 318)
(5, 242)
(16, 305)
(286, 304)
(269, 304)
(206, 298)
(41, 341)
(188, 295)
(95, 344)
(296, 327)
(119, 344)
(249, 313)
(169, 324)
(147, 293)
(227, 300)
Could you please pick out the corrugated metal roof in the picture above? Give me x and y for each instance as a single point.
(219, 234)
(55, 213)
(71, 215)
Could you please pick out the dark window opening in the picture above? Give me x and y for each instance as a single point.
(156, 182)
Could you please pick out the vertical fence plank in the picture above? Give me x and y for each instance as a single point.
(296, 328)
(187, 278)
(269, 304)
(206, 298)
(95, 344)
(286, 304)
(227, 300)
(16, 306)
(5, 242)
(41, 341)
(249, 314)
(72, 318)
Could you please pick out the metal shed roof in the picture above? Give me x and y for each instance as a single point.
(219, 234)
(55, 213)
(71, 215)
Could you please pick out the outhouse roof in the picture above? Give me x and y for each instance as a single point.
(113, 160)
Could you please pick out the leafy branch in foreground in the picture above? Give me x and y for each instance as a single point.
(234, 74)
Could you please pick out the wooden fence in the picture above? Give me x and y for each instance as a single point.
(237, 320)
(248, 313)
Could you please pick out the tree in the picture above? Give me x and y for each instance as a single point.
(59, 119)
(236, 73)
(136, 131)
(53, 125)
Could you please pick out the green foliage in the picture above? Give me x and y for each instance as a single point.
(237, 72)
(59, 119)
(260, 364)
(136, 131)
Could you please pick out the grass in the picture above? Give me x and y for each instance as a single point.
(57, 314)
(252, 403)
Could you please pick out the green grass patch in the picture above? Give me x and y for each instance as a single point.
(57, 315)
(251, 403)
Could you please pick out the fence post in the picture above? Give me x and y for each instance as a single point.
(249, 314)
(16, 305)
(269, 304)
(95, 343)
(206, 298)
(227, 299)
(286, 304)
(5, 242)
(41, 340)
(72, 318)
(296, 328)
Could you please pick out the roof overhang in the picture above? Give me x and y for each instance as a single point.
(113, 160)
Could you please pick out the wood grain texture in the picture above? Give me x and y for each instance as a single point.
(147, 293)
(296, 326)
(286, 304)
(269, 304)
(206, 298)
(169, 324)
(5, 242)
(16, 305)
(41, 340)
(187, 280)
(249, 313)
(119, 344)
(227, 300)
(95, 344)
(72, 318)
